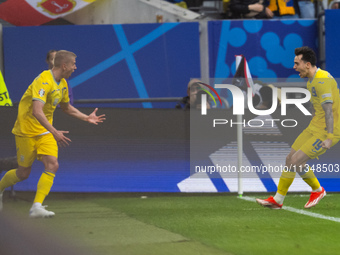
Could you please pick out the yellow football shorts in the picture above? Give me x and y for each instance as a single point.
(31, 148)
(310, 143)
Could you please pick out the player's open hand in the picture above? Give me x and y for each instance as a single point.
(94, 119)
(61, 139)
(326, 144)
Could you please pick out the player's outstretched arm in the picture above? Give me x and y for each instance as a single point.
(74, 112)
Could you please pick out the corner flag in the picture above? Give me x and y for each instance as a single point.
(242, 77)
(5, 100)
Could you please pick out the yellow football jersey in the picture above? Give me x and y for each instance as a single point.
(44, 88)
(324, 89)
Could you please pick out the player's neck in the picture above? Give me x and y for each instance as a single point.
(312, 72)
(56, 74)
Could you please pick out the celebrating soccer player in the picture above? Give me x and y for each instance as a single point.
(322, 133)
(36, 137)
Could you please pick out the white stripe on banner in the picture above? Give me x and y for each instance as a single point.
(204, 104)
(299, 211)
(199, 182)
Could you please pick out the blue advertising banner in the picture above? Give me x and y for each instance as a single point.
(267, 45)
(332, 23)
(114, 61)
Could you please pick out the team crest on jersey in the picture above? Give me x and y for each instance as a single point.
(57, 7)
(56, 101)
(41, 92)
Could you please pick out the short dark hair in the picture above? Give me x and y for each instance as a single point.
(308, 55)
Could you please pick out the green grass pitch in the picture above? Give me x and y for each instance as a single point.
(154, 223)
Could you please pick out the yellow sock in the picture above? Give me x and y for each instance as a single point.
(9, 179)
(311, 180)
(285, 181)
(44, 186)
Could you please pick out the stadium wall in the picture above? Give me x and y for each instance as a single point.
(134, 150)
(148, 150)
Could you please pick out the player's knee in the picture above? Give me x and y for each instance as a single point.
(288, 160)
(23, 173)
(53, 166)
(23, 176)
(294, 164)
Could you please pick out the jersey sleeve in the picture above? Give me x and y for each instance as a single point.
(40, 89)
(324, 90)
(65, 97)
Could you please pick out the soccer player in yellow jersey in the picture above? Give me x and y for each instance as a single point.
(322, 133)
(35, 135)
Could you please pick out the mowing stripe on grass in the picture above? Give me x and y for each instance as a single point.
(304, 212)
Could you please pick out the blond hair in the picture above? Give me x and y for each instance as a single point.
(63, 56)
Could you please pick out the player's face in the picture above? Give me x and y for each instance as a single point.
(69, 68)
(301, 66)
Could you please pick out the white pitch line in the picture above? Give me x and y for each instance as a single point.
(299, 211)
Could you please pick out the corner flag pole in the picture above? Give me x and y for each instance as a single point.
(239, 154)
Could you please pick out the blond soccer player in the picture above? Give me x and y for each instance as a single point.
(35, 135)
(322, 133)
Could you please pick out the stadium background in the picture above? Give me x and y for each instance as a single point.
(140, 149)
